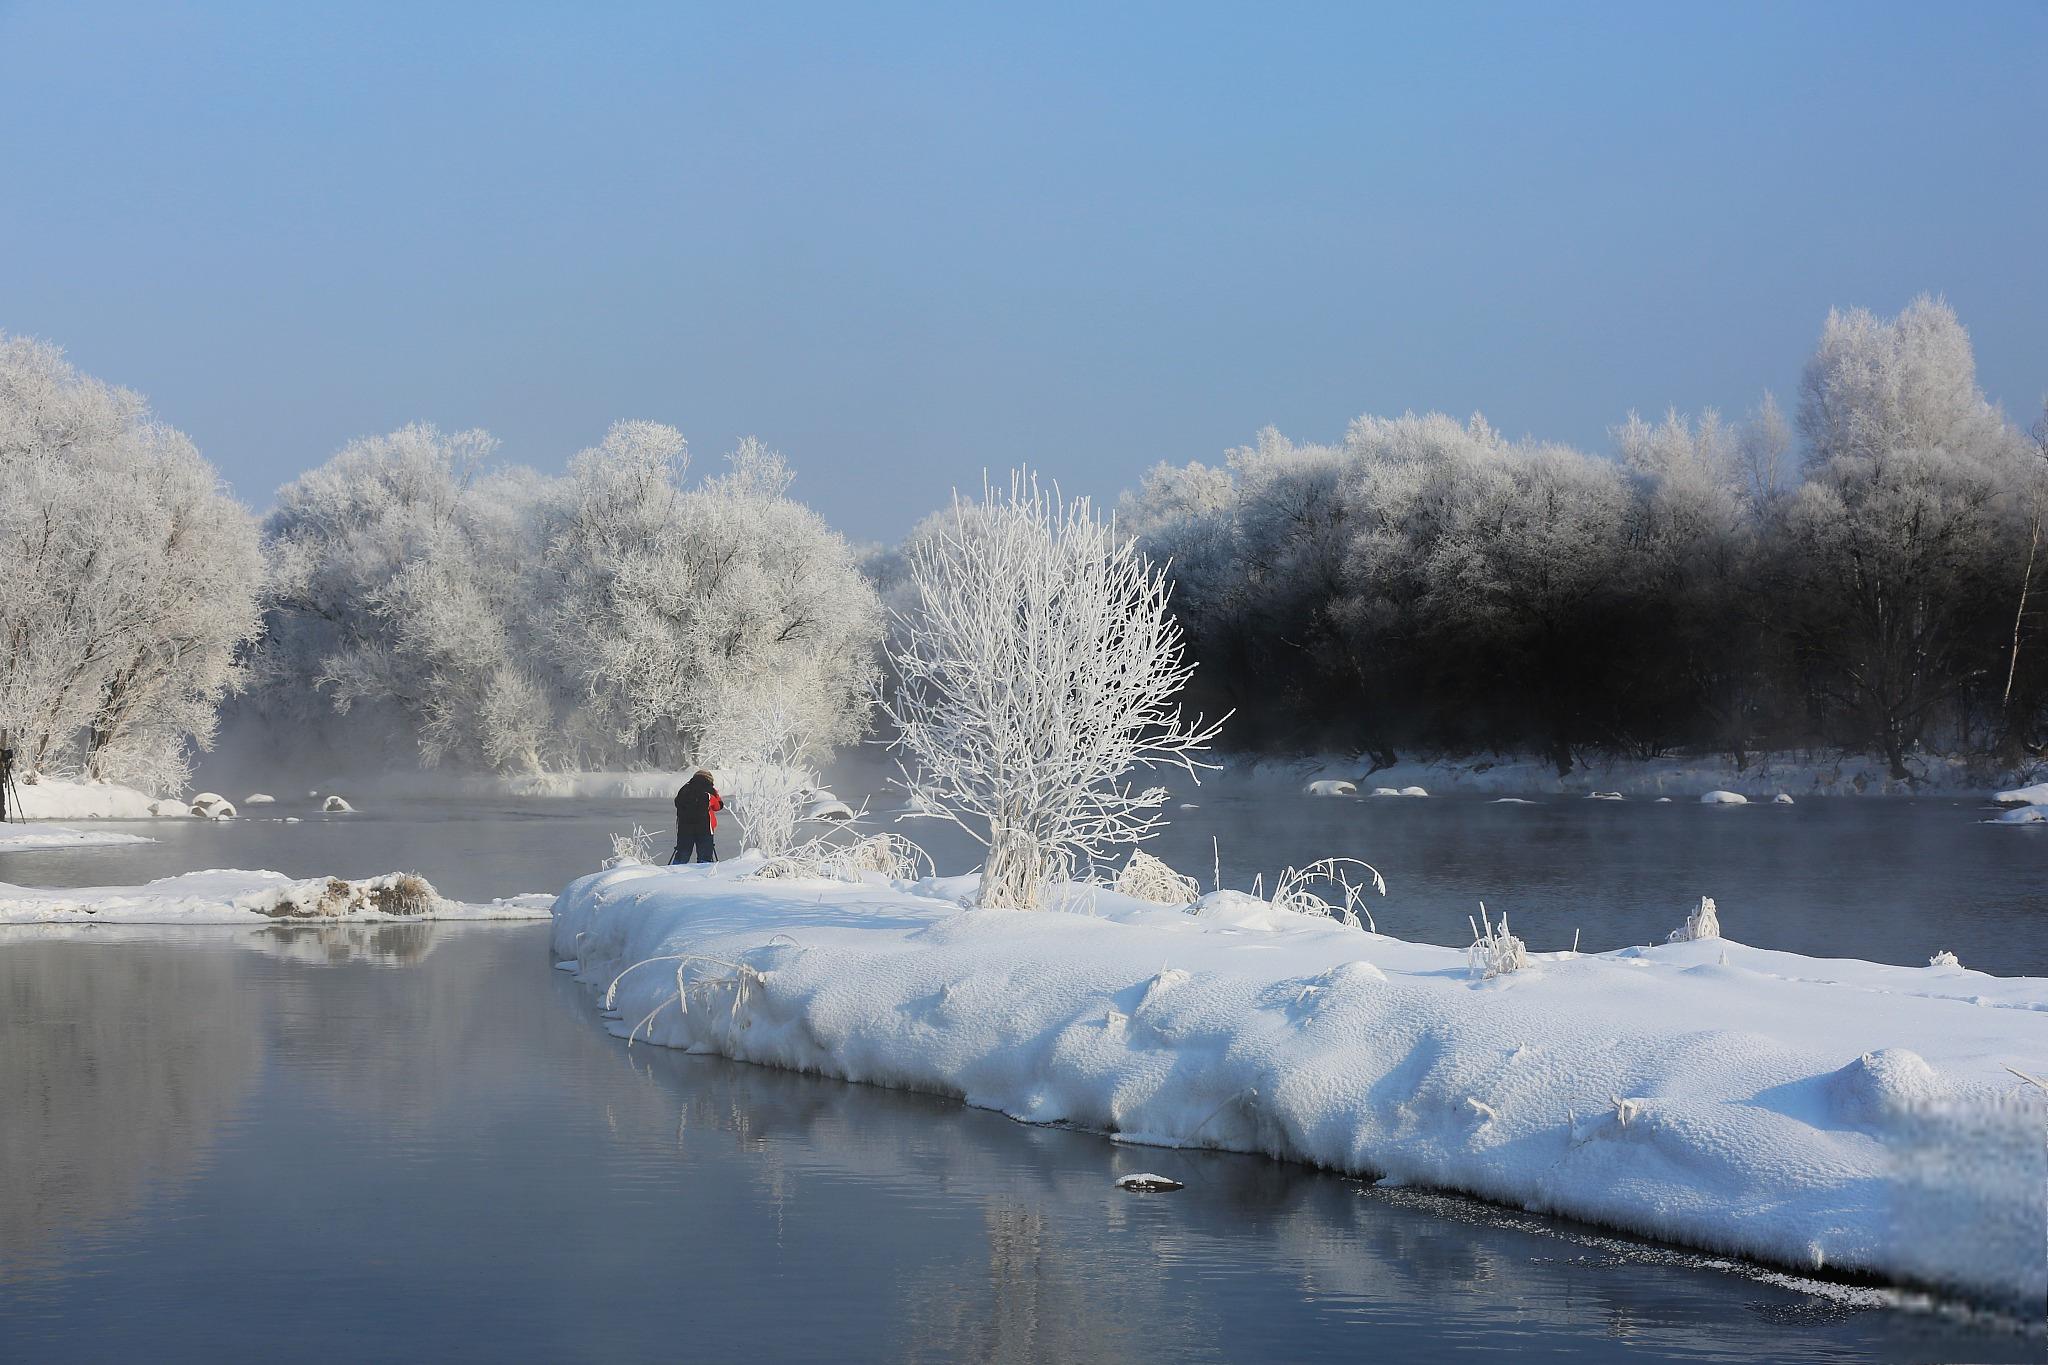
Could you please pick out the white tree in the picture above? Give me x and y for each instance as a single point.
(1039, 665)
(131, 582)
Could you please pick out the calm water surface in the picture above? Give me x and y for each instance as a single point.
(372, 1143)
(1884, 879)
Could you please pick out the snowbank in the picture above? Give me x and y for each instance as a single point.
(1813, 1113)
(16, 837)
(50, 798)
(2036, 795)
(233, 897)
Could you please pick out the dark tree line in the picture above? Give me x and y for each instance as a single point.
(1867, 582)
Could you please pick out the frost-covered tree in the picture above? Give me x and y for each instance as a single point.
(494, 619)
(1039, 665)
(670, 604)
(131, 581)
(1904, 522)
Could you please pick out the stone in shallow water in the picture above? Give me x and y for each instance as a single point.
(1147, 1183)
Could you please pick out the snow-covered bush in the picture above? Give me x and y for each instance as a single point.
(1038, 665)
(1703, 922)
(1150, 879)
(1494, 951)
(1944, 958)
(129, 583)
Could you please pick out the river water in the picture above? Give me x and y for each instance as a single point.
(418, 1141)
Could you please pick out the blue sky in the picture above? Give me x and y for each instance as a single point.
(903, 243)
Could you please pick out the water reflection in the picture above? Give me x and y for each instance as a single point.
(477, 1170)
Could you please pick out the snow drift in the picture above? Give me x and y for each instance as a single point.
(1812, 1113)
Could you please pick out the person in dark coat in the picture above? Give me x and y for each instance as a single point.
(697, 807)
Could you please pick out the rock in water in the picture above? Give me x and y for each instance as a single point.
(1147, 1183)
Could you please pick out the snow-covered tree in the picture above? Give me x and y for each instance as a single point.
(131, 581)
(1905, 520)
(1039, 665)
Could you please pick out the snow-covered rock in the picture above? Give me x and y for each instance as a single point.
(1512, 801)
(230, 897)
(1724, 798)
(2036, 795)
(1330, 786)
(213, 806)
(1414, 791)
(823, 805)
(335, 805)
(258, 799)
(2021, 815)
(1604, 796)
(14, 838)
(1782, 799)
(1751, 1102)
(1386, 791)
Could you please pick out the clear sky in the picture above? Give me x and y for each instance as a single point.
(903, 243)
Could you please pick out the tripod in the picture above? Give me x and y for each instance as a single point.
(10, 795)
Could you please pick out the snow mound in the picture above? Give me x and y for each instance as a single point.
(1748, 1102)
(1604, 796)
(2021, 815)
(1330, 786)
(1662, 801)
(258, 799)
(1886, 1088)
(14, 838)
(1782, 799)
(335, 805)
(213, 806)
(1413, 791)
(1512, 801)
(1724, 798)
(2036, 795)
(234, 897)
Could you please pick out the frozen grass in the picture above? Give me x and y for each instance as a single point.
(631, 850)
(1494, 951)
(840, 856)
(1309, 890)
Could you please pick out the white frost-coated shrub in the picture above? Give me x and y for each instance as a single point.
(630, 850)
(839, 856)
(1037, 665)
(1494, 951)
(1308, 891)
(1703, 922)
(1150, 879)
(1944, 958)
(128, 579)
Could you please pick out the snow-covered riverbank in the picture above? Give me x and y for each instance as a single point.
(1826, 1114)
(235, 897)
(16, 838)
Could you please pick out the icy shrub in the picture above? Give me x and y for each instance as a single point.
(1944, 958)
(1149, 879)
(630, 850)
(1307, 891)
(1701, 923)
(1494, 951)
